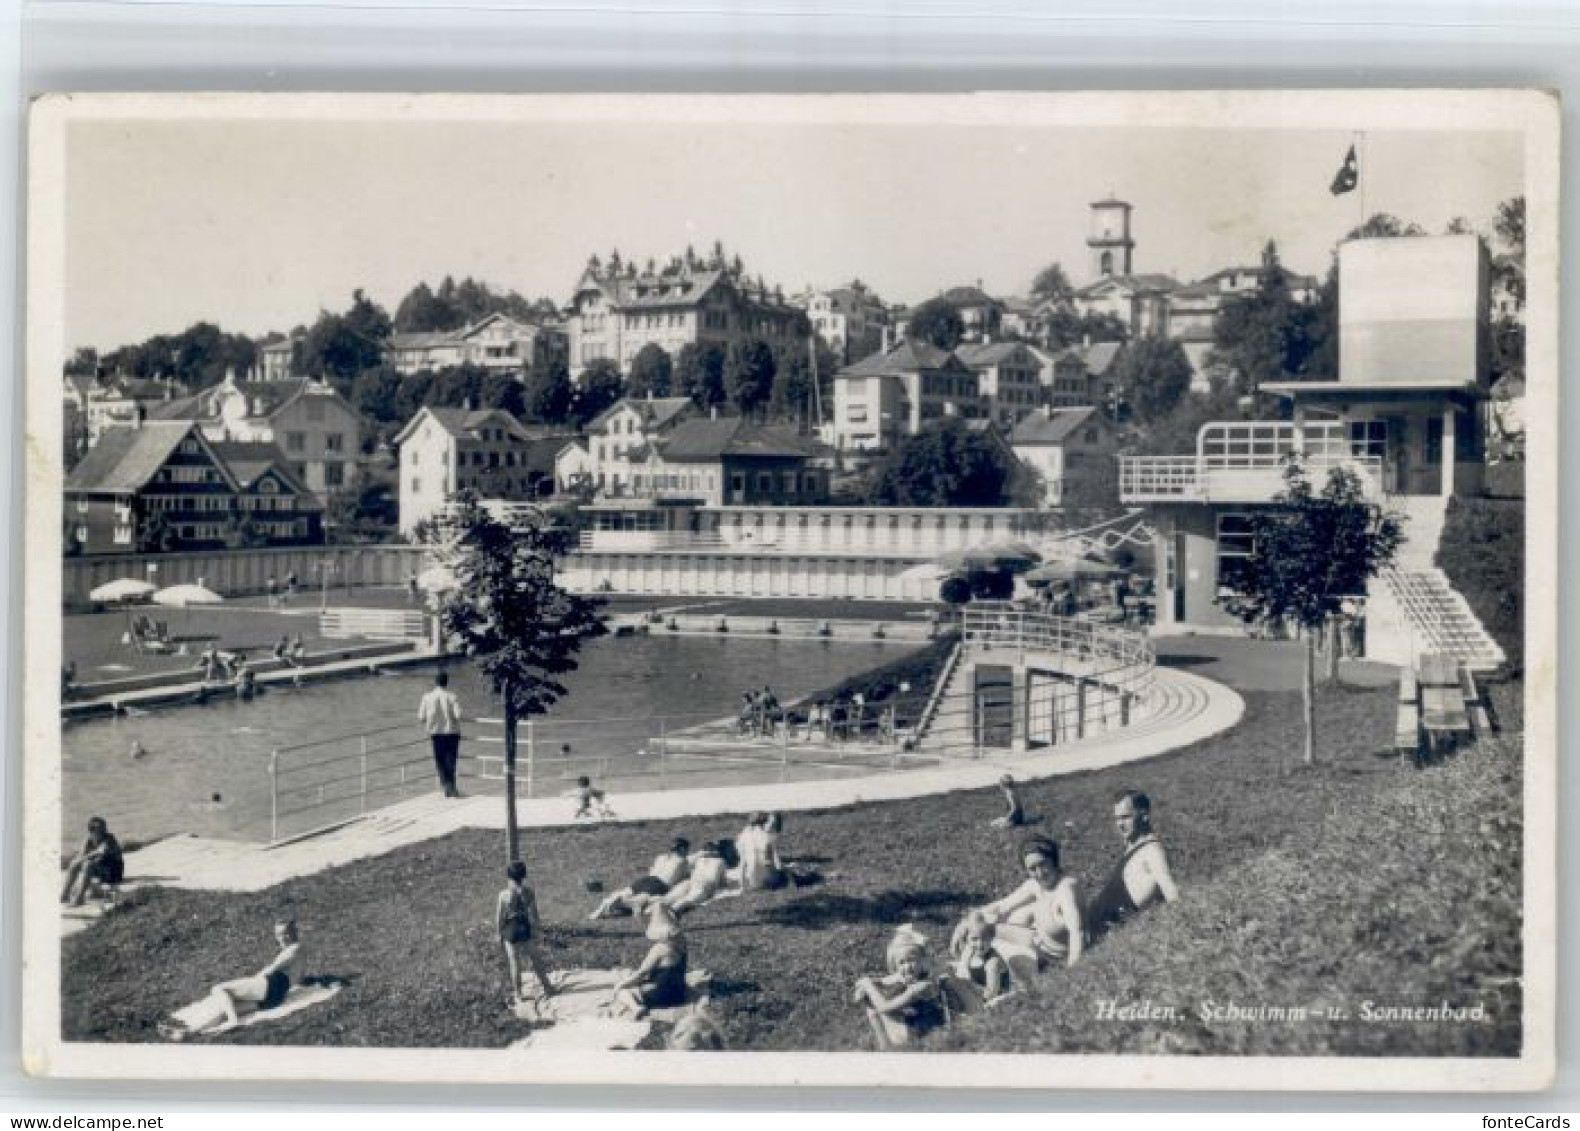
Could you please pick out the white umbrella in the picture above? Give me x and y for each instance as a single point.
(122, 589)
(437, 579)
(927, 571)
(182, 596)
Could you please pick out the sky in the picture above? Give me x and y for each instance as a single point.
(258, 224)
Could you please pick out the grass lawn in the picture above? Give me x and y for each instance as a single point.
(1359, 878)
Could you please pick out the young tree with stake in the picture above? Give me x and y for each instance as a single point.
(506, 613)
(1308, 555)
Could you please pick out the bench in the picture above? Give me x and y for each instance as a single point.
(1444, 715)
(1475, 706)
(1407, 729)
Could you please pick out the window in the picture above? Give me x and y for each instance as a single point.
(334, 442)
(1434, 441)
(416, 486)
(1369, 439)
(1236, 543)
(123, 534)
(82, 504)
(858, 414)
(296, 441)
(334, 474)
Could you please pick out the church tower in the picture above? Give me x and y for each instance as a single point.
(1109, 241)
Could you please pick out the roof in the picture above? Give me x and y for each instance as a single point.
(907, 357)
(1100, 356)
(702, 440)
(1109, 202)
(981, 355)
(462, 423)
(1133, 282)
(125, 458)
(249, 461)
(1052, 426)
(1367, 388)
(83, 383)
(1289, 276)
(184, 408)
(286, 346)
(969, 296)
(135, 388)
(424, 339)
(656, 412)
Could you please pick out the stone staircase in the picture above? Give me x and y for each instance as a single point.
(1412, 608)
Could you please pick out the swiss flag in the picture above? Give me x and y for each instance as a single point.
(1348, 176)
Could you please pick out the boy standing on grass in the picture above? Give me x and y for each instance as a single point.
(516, 923)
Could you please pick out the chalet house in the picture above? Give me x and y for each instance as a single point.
(882, 399)
(730, 462)
(1064, 445)
(317, 429)
(616, 311)
(498, 343)
(162, 485)
(445, 450)
(1009, 378)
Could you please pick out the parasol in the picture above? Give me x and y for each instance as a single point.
(122, 589)
(184, 596)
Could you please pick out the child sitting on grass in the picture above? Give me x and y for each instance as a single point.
(905, 1004)
(590, 803)
(977, 964)
(1015, 815)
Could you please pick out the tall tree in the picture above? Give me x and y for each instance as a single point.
(549, 394)
(1151, 375)
(1310, 554)
(937, 322)
(507, 614)
(600, 387)
(376, 394)
(699, 374)
(340, 346)
(1052, 284)
(749, 376)
(1265, 334)
(652, 372)
(947, 466)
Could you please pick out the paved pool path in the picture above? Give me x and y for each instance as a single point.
(1186, 708)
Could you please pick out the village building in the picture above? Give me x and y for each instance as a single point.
(446, 450)
(882, 399)
(317, 429)
(277, 360)
(1067, 447)
(981, 315)
(1192, 310)
(850, 320)
(617, 310)
(629, 426)
(119, 401)
(161, 485)
(1009, 378)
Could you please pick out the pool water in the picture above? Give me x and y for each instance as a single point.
(204, 769)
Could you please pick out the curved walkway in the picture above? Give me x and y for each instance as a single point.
(1185, 709)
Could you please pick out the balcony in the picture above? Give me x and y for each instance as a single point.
(1243, 462)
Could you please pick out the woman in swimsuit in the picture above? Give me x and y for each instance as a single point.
(1044, 913)
(661, 979)
(267, 989)
(709, 874)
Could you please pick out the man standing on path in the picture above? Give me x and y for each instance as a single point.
(1142, 877)
(440, 712)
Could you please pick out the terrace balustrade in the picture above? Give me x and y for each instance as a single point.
(1243, 462)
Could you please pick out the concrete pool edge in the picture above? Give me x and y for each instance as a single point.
(201, 863)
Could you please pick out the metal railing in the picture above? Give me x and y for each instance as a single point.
(1243, 461)
(373, 624)
(1080, 678)
(320, 785)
